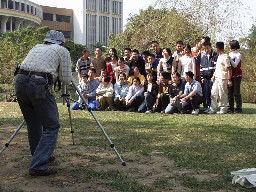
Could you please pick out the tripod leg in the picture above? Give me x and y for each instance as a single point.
(13, 135)
(89, 109)
(70, 119)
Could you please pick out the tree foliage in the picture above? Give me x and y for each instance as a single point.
(162, 25)
(221, 19)
(16, 45)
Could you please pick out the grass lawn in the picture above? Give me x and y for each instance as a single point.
(205, 145)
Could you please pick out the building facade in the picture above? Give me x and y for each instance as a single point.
(19, 13)
(60, 19)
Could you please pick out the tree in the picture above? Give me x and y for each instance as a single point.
(162, 25)
(219, 19)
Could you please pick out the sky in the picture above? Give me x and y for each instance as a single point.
(131, 7)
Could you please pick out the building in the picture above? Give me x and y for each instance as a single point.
(19, 13)
(60, 19)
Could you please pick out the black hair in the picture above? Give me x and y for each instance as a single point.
(206, 43)
(166, 75)
(85, 75)
(168, 50)
(188, 47)
(176, 73)
(179, 42)
(115, 55)
(234, 44)
(129, 49)
(154, 42)
(190, 74)
(107, 59)
(122, 74)
(106, 78)
(145, 53)
(206, 38)
(85, 49)
(197, 41)
(137, 78)
(92, 69)
(98, 48)
(121, 58)
(220, 45)
(151, 55)
(135, 50)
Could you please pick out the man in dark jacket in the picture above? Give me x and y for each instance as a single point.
(207, 68)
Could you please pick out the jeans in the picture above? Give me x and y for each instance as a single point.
(207, 91)
(163, 102)
(40, 112)
(147, 104)
(119, 105)
(176, 107)
(234, 91)
(192, 104)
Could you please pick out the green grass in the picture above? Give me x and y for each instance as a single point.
(217, 144)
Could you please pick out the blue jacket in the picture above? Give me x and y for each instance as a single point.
(207, 67)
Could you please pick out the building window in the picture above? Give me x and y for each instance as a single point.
(91, 5)
(10, 4)
(63, 18)
(23, 7)
(104, 29)
(32, 10)
(8, 26)
(117, 7)
(17, 6)
(3, 4)
(67, 34)
(28, 9)
(104, 6)
(90, 30)
(48, 16)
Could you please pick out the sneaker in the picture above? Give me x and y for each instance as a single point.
(211, 112)
(162, 111)
(221, 112)
(148, 111)
(237, 112)
(206, 110)
(195, 112)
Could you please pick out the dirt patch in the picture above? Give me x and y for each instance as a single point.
(86, 169)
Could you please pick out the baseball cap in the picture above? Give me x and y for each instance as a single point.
(55, 37)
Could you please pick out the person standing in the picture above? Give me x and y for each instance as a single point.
(33, 87)
(98, 62)
(83, 64)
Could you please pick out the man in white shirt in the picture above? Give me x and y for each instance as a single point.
(33, 83)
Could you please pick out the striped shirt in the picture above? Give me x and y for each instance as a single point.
(53, 59)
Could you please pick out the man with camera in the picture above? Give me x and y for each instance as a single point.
(33, 87)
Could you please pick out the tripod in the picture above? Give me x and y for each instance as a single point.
(67, 99)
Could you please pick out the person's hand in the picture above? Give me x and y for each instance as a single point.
(202, 80)
(155, 105)
(183, 100)
(109, 90)
(129, 102)
(230, 83)
(145, 94)
(213, 78)
(173, 100)
(85, 96)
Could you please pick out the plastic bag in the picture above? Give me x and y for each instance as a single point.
(245, 177)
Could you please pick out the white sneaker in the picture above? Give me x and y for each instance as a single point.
(195, 112)
(221, 112)
(211, 112)
(206, 110)
(149, 111)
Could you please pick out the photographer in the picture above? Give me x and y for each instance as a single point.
(33, 86)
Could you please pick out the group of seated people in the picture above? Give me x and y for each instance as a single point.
(160, 82)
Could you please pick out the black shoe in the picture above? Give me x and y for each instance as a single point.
(46, 172)
(51, 159)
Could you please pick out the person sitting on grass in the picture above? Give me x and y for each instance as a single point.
(84, 88)
(105, 94)
(192, 97)
(135, 96)
(136, 73)
(121, 89)
(150, 93)
(175, 90)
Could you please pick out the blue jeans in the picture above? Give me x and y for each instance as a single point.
(40, 112)
(207, 91)
(147, 104)
(176, 107)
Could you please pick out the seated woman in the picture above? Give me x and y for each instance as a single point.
(136, 73)
(135, 96)
(105, 94)
(150, 94)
